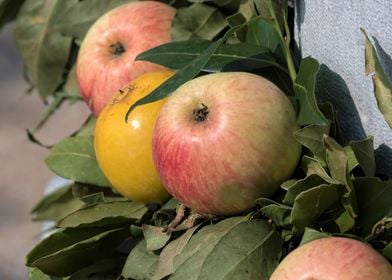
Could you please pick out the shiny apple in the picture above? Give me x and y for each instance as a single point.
(222, 140)
(333, 258)
(106, 59)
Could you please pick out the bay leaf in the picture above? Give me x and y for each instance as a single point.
(36, 274)
(311, 234)
(165, 265)
(69, 250)
(140, 262)
(77, 20)
(262, 33)
(363, 151)
(310, 181)
(197, 21)
(337, 161)
(155, 237)
(44, 50)
(387, 251)
(311, 137)
(374, 201)
(232, 249)
(176, 55)
(304, 88)
(104, 214)
(74, 158)
(56, 205)
(310, 204)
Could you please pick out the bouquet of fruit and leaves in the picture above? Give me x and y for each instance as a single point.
(207, 154)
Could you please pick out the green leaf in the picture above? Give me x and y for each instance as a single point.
(382, 86)
(311, 137)
(52, 197)
(337, 161)
(232, 249)
(363, 151)
(104, 214)
(345, 222)
(236, 19)
(280, 8)
(106, 269)
(77, 20)
(69, 250)
(155, 237)
(140, 262)
(93, 199)
(261, 32)
(176, 55)
(197, 21)
(8, 11)
(44, 51)
(87, 128)
(164, 216)
(278, 213)
(68, 92)
(374, 201)
(74, 158)
(56, 205)
(330, 114)
(314, 166)
(311, 234)
(91, 194)
(293, 190)
(170, 251)
(387, 251)
(310, 204)
(36, 274)
(304, 86)
(184, 74)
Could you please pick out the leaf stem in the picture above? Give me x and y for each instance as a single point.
(285, 39)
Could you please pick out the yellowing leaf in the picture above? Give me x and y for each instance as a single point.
(382, 86)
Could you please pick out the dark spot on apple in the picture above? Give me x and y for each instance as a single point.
(200, 114)
(117, 49)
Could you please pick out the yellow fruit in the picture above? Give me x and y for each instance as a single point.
(123, 149)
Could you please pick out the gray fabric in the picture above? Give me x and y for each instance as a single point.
(329, 30)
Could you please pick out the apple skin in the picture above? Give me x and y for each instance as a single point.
(242, 150)
(333, 258)
(106, 59)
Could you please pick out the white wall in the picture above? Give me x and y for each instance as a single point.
(329, 30)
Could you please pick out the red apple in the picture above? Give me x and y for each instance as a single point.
(106, 59)
(333, 258)
(224, 139)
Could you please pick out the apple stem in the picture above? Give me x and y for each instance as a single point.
(200, 114)
(185, 219)
(117, 49)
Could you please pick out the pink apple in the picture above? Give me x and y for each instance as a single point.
(224, 139)
(333, 258)
(106, 59)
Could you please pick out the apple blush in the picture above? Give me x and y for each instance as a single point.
(333, 258)
(106, 59)
(223, 140)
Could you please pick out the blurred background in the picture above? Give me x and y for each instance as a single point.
(23, 174)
